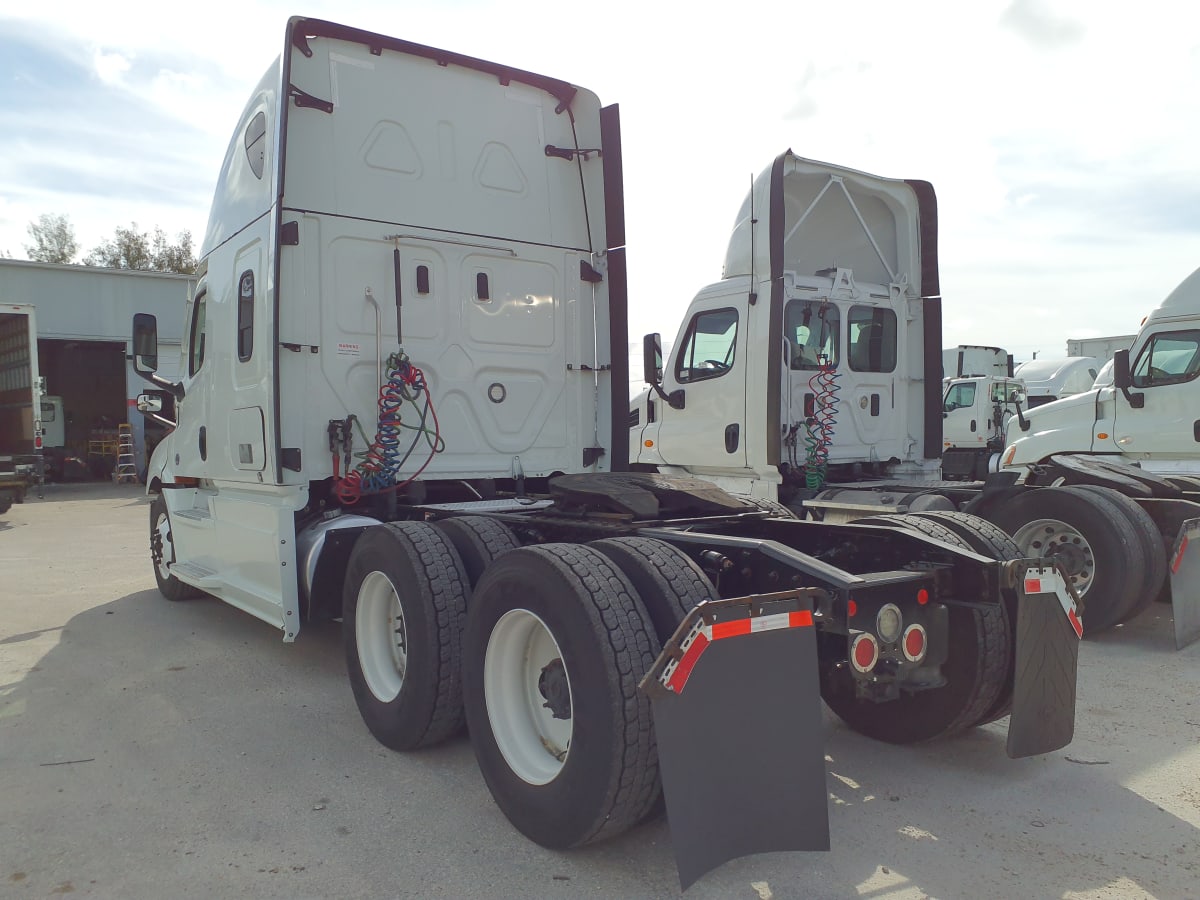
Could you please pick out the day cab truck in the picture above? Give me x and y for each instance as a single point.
(404, 406)
(21, 431)
(811, 376)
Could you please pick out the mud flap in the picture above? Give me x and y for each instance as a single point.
(1048, 630)
(1185, 583)
(737, 711)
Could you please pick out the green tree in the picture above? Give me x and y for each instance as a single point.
(53, 239)
(130, 248)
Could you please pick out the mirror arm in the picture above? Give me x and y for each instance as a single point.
(675, 399)
(1021, 420)
(175, 387)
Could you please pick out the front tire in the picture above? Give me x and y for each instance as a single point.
(403, 606)
(556, 643)
(162, 553)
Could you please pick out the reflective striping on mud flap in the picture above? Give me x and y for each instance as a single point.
(677, 672)
(1049, 581)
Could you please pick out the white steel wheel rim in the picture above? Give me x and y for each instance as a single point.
(381, 636)
(1055, 539)
(166, 548)
(532, 741)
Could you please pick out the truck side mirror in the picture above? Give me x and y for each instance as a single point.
(145, 342)
(652, 359)
(652, 370)
(158, 406)
(1123, 379)
(1121, 374)
(145, 354)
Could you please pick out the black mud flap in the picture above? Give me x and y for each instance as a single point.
(1048, 630)
(737, 711)
(1184, 563)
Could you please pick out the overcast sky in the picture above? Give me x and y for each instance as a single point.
(1061, 136)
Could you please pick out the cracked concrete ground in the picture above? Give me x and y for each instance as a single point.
(151, 749)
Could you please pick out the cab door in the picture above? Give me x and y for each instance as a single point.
(1167, 427)
(708, 369)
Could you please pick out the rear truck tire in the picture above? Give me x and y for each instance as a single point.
(1184, 482)
(556, 643)
(977, 670)
(1152, 544)
(666, 579)
(777, 509)
(6, 502)
(1088, 535)
(478, 540)
(987, 540)
(162, 554)
(404, 602)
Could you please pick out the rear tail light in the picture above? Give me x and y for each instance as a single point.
(914, 643)
(864, 652)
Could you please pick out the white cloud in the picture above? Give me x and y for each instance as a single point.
(1058, 134)
(110, 67)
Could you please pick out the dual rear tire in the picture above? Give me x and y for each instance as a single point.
(540, 649)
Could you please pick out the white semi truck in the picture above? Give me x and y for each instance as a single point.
(405, 406)
(812, 375)
(1047, 380)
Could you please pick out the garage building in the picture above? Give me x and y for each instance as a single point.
(84, 317)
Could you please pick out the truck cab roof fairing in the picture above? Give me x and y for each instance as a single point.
(836, 217)
(359, 143)
(301, 29)
(242, 194)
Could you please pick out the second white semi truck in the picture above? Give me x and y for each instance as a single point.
(811, 375)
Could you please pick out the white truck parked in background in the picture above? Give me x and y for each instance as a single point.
(1047, 380)
(976, 359)
(812, 374)
(1102, 348)
(405, 406)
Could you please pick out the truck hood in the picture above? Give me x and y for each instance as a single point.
(1063, 426)
(817, 217)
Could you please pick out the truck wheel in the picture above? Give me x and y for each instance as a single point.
(976, 670)
(557, 641)
(778, 510)
(6, 502)
(986, 539)
(403, 605)
(162, 553)
(979, 534)
(666, 579)
(478, 540)
(1147, 533)
(1185, 483)
(1087, 534)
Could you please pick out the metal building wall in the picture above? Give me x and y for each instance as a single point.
(83, 303)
